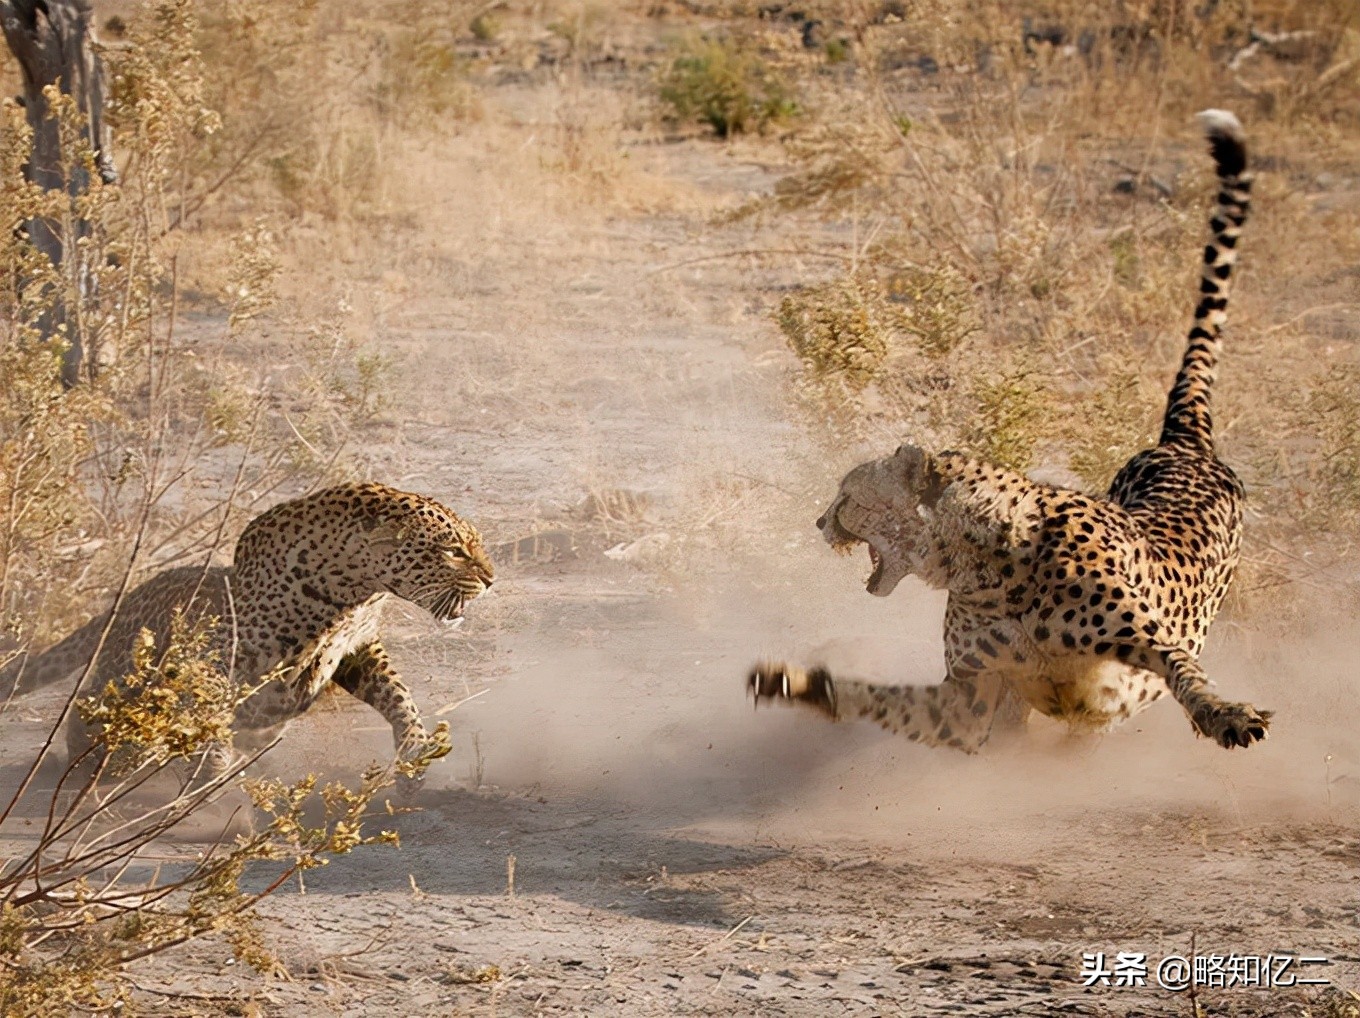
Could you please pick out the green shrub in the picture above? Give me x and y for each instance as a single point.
(722, 83)
(841, 329)
(1014, 410)
(484, 28)
(939, 309)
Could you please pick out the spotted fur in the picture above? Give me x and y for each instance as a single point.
(300, 604)
(1084, 608)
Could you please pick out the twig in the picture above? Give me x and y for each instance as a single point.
(1309, 311)
(449, 708)
(372, 942)
(768, 484)
(1193, 990)
(192, 995)
(725, 937)
(308, 445)
(752, 253)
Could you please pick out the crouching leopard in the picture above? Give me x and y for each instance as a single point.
(1084, 608)
(296, 611)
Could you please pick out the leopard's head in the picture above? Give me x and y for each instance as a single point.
(885, 504)
(425, 553)
(340, 547)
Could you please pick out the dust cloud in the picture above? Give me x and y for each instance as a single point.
(640, 706)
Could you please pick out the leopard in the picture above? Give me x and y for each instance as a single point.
(295, 614)
(1084, 608)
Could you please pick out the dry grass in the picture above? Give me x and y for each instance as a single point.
(147, 463)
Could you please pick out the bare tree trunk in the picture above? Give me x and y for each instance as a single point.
(53, 41)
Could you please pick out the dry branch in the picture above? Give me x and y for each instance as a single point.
(54, 44)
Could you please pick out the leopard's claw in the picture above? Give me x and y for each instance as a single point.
(1234, 725)
(772, 680)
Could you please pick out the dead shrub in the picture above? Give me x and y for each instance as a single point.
(100, 482)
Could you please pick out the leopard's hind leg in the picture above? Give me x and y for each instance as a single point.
(1227, 723)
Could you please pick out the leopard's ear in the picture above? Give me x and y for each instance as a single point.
(921, 474)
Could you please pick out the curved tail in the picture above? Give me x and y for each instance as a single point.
(1188, 421)
(27, 673)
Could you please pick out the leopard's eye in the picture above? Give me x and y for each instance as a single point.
(455, 554)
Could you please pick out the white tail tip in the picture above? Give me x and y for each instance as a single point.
(1221, 122)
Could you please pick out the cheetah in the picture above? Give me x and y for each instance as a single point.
(1084, 608)
(297, 611)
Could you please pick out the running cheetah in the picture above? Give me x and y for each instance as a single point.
(1083, 608)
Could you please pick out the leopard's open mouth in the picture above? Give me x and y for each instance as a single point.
(876, 560)
(845, 541)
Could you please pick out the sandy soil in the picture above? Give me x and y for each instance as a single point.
(674, 852)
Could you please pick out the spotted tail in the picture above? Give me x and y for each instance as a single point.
(1188, 421)
(24, 674)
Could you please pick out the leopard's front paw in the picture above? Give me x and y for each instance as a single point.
(772, 680)
(418, 750)
(1233, 724)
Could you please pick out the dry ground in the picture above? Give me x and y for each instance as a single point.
(671, 851)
